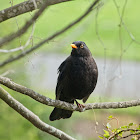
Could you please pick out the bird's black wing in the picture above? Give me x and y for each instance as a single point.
(94, 78)
(61, 82)
(61, 78)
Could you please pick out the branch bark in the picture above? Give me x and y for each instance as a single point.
(50, 37)
(25, 27)
(31, 117)
(24, 7)
(64, 105)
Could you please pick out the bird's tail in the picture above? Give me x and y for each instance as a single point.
(58, 113)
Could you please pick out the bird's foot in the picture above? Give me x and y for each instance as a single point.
(80, 106)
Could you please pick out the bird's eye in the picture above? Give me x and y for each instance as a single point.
(82, 46)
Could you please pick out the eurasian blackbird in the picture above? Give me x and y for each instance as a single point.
(77, 78)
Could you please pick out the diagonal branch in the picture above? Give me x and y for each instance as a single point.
(25, 27)
(51, 37)
(126, 130)
(64, 105)
(36, 96)
(31, 117)
(24, 7)
(27, 24)
(21, 47)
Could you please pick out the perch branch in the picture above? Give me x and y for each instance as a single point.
(51, 37)
(31, 117)
(64, 105)
(24, 7)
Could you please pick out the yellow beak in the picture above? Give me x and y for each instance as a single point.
(74, 46)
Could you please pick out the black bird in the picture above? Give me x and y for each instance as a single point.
(77, 78)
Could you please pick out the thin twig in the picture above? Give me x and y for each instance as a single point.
(21, 47)
(120, 34)
(123, 23)
(35, 4)
(102, 44)
(114, 118)
(50, 37)
(122, 51)
(31, 117)
(129, 136)
(127, 130)
(25, 27)
(7, 72)
(12, 3)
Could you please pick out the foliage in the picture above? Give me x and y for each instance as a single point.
(131, 130)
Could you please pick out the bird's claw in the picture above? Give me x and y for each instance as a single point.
(80, 106)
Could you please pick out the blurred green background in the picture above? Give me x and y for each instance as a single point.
(81, 125)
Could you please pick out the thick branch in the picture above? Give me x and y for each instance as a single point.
(30, 116)
(24, 7)
(27, 24)
(64, 105)
(36, 96)
(50, 37)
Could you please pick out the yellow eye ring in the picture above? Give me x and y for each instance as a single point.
(82, 46)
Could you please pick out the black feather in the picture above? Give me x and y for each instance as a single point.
(77, 79)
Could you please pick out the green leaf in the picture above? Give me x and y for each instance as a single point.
(110, 117)
(137, 133)
(114, 130)
(118, 130)
(130, 124)
(106, 135)
(106, 132)
(125, 126)
(120, 134)
(100, 137)
(132, 131)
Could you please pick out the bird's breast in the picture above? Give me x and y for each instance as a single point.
(81, 76)
(82, 67)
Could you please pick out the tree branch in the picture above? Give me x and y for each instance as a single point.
(64, 105)
(51, 37)
(25, 27)
(36, 96)
(21, 47)
(130, 136)
(31, 117)
(127, 130)
(124, 25)
(24, 7)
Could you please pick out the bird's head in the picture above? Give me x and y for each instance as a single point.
(79, 49)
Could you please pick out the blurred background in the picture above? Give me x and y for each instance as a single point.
(114, 46)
